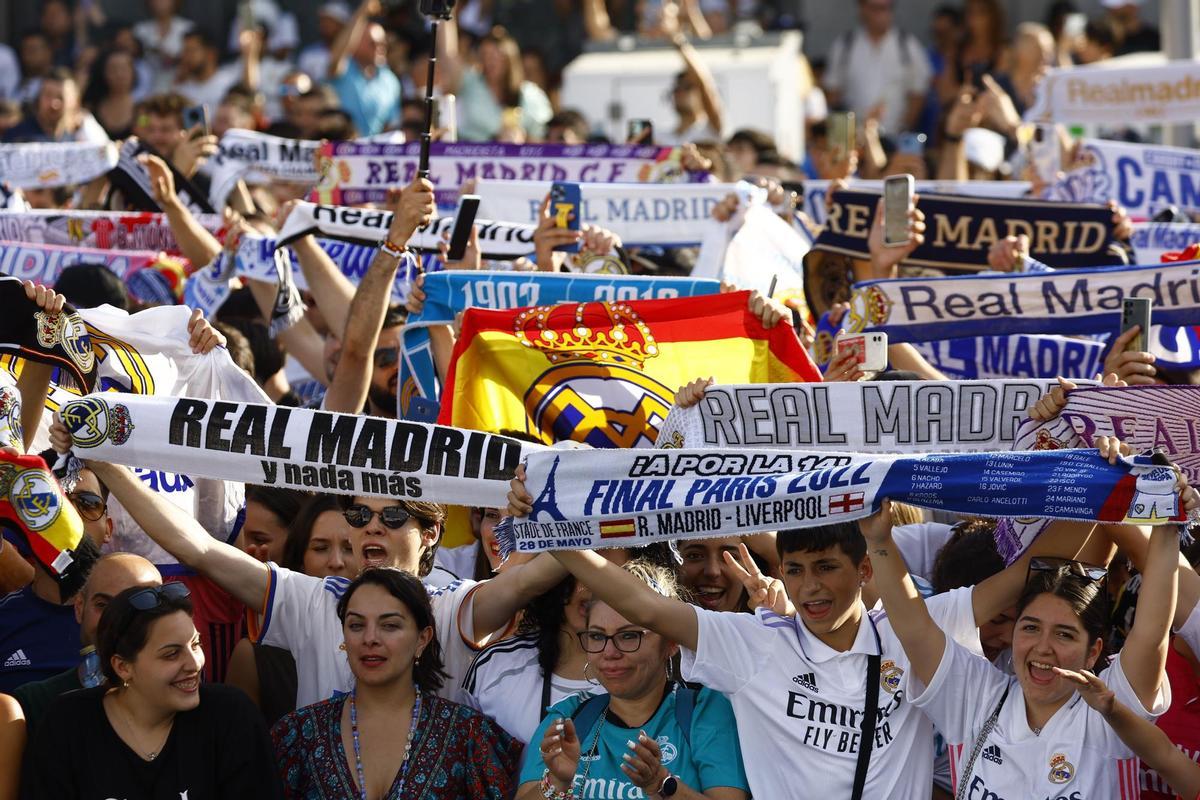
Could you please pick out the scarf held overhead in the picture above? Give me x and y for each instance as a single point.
(1113, 95)
(1143, 178)
(43, 263)
(244, 152)
(349, 454)
(497, 240)
(960, 230)
(648, 496)
(862, 417)
(42, 166)
(106, 230)
(362, 172)
(449, 293)
(1061, 302)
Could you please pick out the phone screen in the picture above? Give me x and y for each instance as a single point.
(841, 134)
(897, 200)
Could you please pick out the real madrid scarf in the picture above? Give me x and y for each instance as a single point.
(106, 230)
(32, 503)
(629, 498)
(41, 166)
(756, 250)
(43, 263)
(255, 257)
(862, 417)
(11, 431)
(362, 172)
(60, 340)
(959, 230)
(132, 180)
(245, 152)
(448, 293)
(1062, 302)
(666, 215)
(1143, 178)
(498, 240)
(298, 448)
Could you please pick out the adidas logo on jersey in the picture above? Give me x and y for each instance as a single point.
(808, 680)
(17, 659)
(992, 753)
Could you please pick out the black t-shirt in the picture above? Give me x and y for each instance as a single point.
(217, 751)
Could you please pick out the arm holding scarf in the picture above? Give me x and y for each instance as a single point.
(628, 595)
(177, 532)
(330, 288)
(351, 379)
(196, 243)
(497, 600)
(1144, 655)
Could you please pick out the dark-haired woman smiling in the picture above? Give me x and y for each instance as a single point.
(154, 731)
(358, 745)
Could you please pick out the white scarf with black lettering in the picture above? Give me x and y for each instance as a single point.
(498, 240)
(245, 152)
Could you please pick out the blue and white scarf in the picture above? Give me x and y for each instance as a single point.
(629, 498)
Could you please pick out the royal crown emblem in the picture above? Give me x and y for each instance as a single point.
(868, 307)
(1046, 441)
(889, 676)
(69, 332)
(607, 333)
(823, 347)
(92, 421)
(1061, 770)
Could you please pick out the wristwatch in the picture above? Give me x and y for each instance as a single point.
(670, 786)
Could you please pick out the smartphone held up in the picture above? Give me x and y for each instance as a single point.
(897, 205)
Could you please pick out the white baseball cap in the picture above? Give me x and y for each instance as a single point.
(337, 11)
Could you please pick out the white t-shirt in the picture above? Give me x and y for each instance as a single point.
(919, 544)
(505, 682)
(458, 561)
(1190, 632)
(872, 72)
(1077, 755)
(799, 703)
(212, 91)
(300, 615)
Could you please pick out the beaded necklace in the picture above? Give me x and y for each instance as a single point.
(412, 732)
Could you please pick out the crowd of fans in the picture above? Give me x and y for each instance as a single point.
(326, 646)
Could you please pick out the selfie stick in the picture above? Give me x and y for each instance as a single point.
(435, 11)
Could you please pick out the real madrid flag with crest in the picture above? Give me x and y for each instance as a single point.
(605, 373)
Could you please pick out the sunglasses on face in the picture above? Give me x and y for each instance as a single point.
(89, 505)
(386, 357)
(1077, 568)
(360, 516)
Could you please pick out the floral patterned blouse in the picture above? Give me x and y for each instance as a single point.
(458, 753)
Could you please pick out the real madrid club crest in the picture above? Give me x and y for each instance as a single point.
(34, 498)
(889, 676)
(594, 391)
(823, 347)
(1061, 770)
(10, 414)
(868, 306)
(68, 331)
(93, 421)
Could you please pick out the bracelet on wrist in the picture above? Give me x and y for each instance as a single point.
(949, 137)
(388, 247)
(552, 792)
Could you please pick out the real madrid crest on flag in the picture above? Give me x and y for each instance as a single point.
(32, 503)
(93, 421)
(59, 339)
(603, 373)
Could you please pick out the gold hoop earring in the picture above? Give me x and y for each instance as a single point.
(592, 681)
(342, 647)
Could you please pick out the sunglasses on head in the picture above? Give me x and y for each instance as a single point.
(1077, 568)
(386, 357)
(153, 597)
(89, 505)
(360, 516)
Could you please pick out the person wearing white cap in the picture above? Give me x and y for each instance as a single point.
(1140, 37)
(314, 59)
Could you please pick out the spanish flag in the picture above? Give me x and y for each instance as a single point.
(605, 373)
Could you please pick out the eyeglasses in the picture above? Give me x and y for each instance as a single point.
(1077, 568)
(386, 357)
(360, 516)
(625, 641)
(89, 505)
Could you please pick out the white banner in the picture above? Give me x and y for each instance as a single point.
(667, 215)
(765, 254)
(863, 417)
(1143, 178)
(298, 448)
(242, 152)
(1152, 239)
(1107, 95)
(41, 166)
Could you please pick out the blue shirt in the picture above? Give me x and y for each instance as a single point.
(709, 757)
(38, 640)
(371, 102)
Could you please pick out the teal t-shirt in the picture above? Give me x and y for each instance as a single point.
(711, 757)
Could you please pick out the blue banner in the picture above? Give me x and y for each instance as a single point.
(448, 293)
